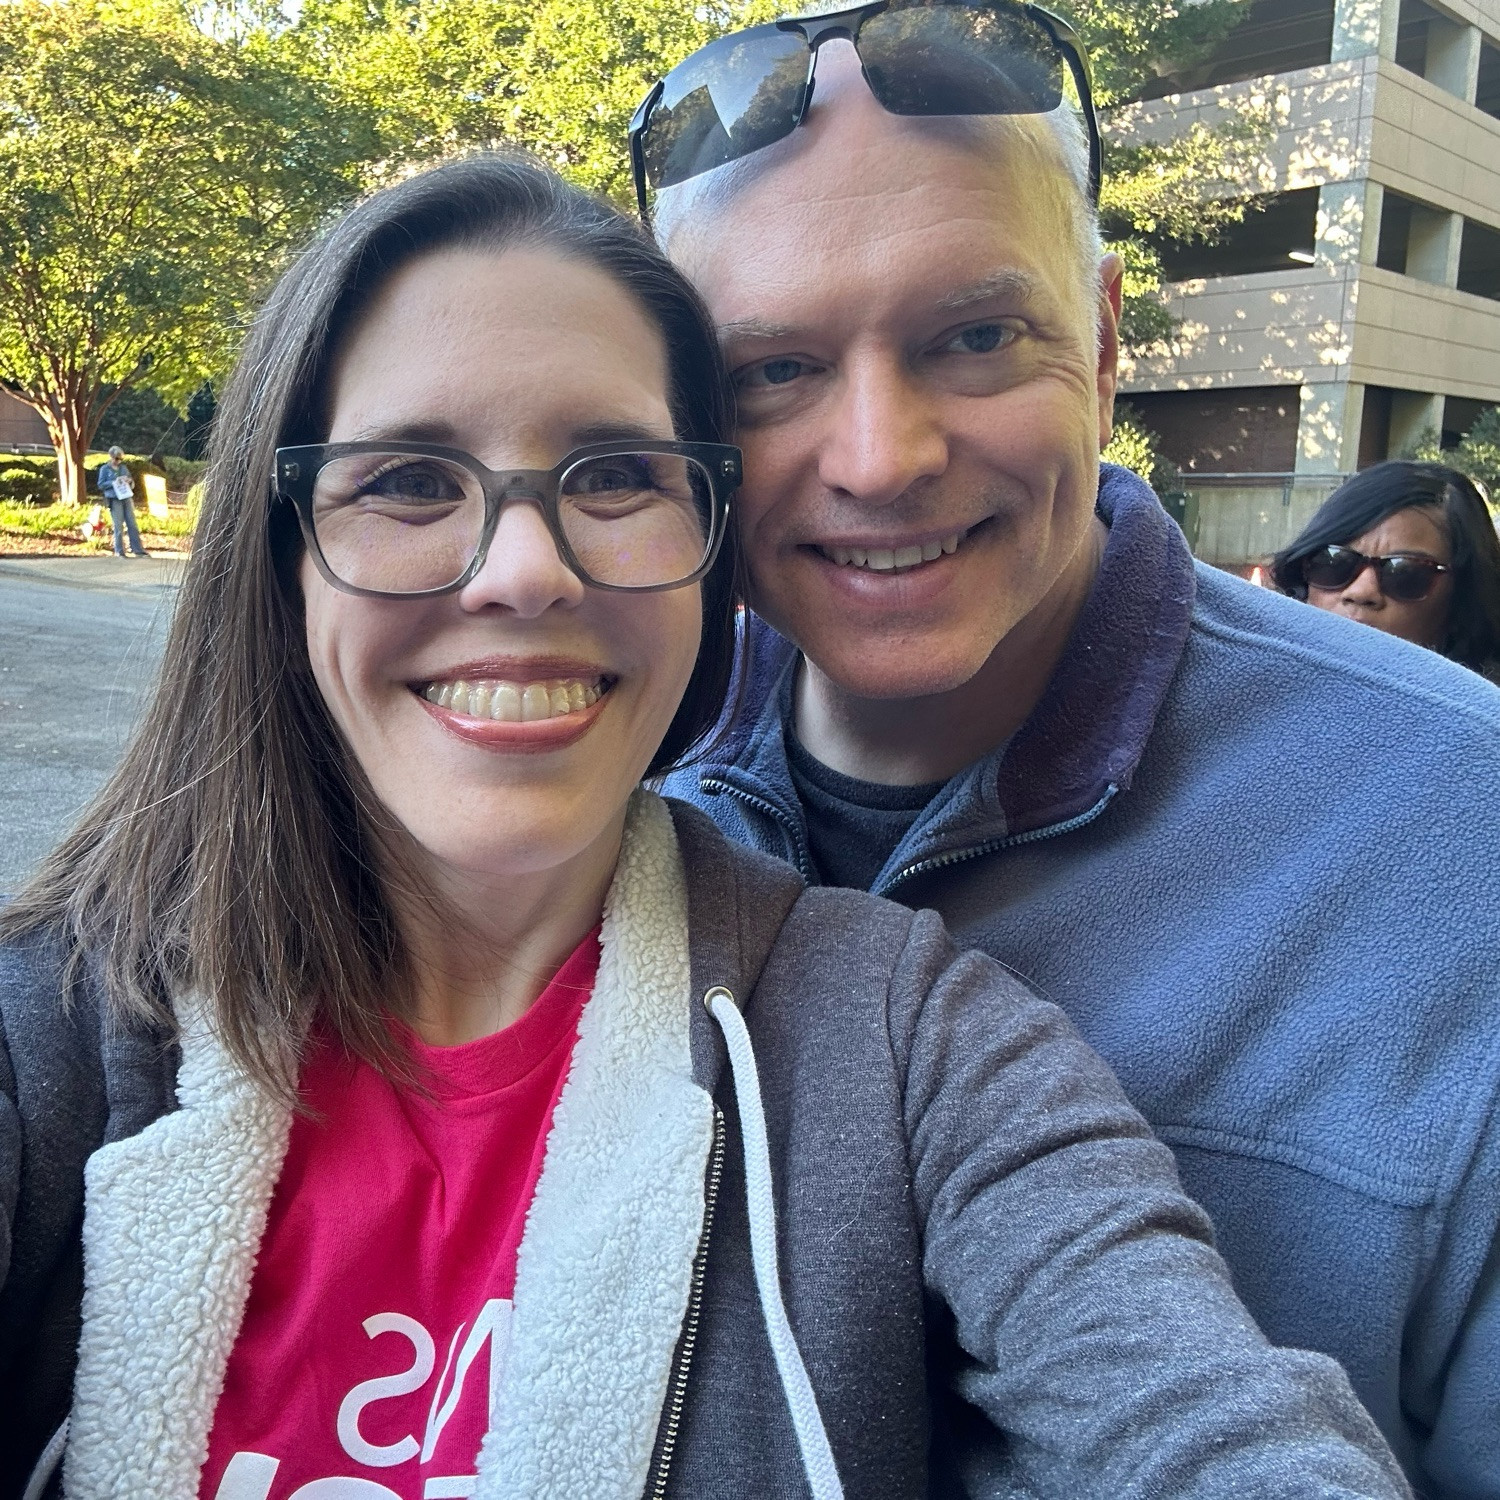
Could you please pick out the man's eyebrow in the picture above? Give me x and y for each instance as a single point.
(1009, 285)
(755, 328)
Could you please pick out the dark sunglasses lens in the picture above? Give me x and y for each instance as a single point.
(1330, 567)
(733, 97)
(1407, 579)
(960, 60)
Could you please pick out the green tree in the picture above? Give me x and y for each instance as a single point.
(1477, 453)
(151, 178)
(1134, 446)
(558, 77)
(140, 422)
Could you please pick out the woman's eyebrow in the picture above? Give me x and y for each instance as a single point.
(617, 432)
(425, 430)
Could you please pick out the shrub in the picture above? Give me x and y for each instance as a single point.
(1477, 455)
(54, 519)
(1134, 446)
(183, 474)
(27, 480)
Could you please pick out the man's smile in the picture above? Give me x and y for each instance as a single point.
(900, 558)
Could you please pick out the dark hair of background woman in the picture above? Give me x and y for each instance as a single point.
(1369, 497)
(232, 850)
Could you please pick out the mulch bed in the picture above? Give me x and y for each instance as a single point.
(62, 544)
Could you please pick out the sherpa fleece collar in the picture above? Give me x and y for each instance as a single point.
(174, 1217)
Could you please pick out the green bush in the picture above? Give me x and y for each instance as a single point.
(27, 480)
(1134, 446)
(1477, 454)
(182, 473)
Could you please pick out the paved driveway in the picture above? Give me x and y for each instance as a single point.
(80, 638)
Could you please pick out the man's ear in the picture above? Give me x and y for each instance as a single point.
(1111, 294)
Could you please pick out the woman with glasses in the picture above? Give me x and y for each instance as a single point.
(399, 1102)
(1409, 548)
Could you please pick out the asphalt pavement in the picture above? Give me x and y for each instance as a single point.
(80, 639)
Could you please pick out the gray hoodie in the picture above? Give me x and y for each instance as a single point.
(989, 1280)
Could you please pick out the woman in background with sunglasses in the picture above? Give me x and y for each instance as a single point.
(1409, 548)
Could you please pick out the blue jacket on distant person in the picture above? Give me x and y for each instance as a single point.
(1250, 848)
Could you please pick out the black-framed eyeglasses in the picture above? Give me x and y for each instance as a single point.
(751, 88)
(1403, 576)
(397, 520)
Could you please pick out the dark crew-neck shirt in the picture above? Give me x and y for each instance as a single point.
(853, 826)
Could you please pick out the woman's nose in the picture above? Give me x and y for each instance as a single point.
(523, 570)
(1364, 588)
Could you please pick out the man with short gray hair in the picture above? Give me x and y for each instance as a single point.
(1246, 845)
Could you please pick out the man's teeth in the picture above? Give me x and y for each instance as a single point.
(883, 560)
(515, 702)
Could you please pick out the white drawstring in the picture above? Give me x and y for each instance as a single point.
(46, 1465)
(812, 1439)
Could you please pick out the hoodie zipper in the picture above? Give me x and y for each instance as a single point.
(769, 809)
(991, 846)
(656, 1485)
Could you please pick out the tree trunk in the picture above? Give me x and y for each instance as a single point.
(72, 481)
(67, 415)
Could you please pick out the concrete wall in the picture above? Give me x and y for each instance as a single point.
(1433, 147)
(1319, 122)
(1417, 336)
(1277, 328)
(1243, 523)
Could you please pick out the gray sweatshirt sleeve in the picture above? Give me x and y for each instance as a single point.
(1097, 1327)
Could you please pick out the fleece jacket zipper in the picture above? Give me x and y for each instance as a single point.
(803, 859)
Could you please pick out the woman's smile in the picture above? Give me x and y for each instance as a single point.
(509, 707)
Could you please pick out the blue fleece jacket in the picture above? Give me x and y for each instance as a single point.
(1250, 848)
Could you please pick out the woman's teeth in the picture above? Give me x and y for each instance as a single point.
(881, 560)
(515, 702)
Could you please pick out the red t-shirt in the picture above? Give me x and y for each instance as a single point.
(379, 1311)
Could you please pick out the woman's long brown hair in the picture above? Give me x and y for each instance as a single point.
(232, 850)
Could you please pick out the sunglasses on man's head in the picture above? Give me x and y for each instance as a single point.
(752, 88)
(1402, 576)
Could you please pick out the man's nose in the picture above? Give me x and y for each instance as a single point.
(523, 570)
(886, 432)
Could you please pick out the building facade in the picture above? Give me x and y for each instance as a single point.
(1356, 307)
(21, 429)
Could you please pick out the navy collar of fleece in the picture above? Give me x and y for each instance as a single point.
(1089, 730)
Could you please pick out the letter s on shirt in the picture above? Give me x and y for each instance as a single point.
(382, 1388)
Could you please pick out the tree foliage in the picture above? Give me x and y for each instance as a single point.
(1188, 188)
(558, 77)
(1477, 453)
(150, 176)
(1134, 446)
(159, 157)
(1133, 42)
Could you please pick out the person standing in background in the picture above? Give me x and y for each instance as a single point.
(118, 489)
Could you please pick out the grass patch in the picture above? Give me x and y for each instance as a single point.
(58, 527)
